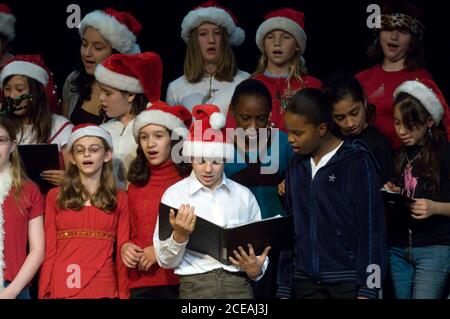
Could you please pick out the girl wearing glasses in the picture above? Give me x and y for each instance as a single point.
(21, 221)
(210, 72)
(86, 224)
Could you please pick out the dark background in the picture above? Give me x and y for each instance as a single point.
(337, 33)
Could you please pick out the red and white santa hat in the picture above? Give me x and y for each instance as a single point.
(32, 66)
(286, 19)
(429, 95)
(120, 29)
(135, 73)
(207, 137)
(212, 12)
(175, 118)
(7, 22)
(88, 129)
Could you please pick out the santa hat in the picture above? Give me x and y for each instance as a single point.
(32, 66)
(120, 29)
(175, 118)
(429, 95)
(212, 12)
(135, 73)
(7, 22)
(207, 137)
(288, 20)
(88, 129)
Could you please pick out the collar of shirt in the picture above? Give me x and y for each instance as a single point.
(195, 186)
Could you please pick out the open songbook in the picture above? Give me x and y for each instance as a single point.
(219, 242)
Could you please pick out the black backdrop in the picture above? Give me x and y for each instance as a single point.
(337, 33)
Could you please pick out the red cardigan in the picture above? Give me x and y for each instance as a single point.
(144, 207)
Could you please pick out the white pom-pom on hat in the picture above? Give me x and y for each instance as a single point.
(217, 121)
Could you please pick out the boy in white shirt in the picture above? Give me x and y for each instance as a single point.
(209, 194)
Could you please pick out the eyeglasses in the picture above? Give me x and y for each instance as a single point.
(4, 140)
(93, 149)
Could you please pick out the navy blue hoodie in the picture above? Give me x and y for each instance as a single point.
(339, 222)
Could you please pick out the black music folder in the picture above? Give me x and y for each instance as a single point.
(394, 198)
(37, 158)
(219, 242)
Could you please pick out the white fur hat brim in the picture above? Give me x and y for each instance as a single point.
(281, 23)
(213, 15)
(118, 81)
(425, 95)
(7, 22)
(89, 131)
(161, 118)
(28, 69)
(200, 149)
(116, 33)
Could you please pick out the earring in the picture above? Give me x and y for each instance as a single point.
(430, 133)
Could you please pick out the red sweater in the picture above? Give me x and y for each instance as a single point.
(144, 207)
(278, 90)
(379, 86)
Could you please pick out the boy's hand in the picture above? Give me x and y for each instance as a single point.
(183, 223)
(131, 255)
(250, 263)
(148, 258)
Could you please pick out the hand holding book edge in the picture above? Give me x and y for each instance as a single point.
(250, 263)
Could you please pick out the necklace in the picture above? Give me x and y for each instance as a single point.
(408, 165)
(209, 95)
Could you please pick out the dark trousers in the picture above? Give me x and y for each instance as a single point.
(308, 288)
(163, 292)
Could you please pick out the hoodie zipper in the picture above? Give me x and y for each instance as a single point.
(315, 254)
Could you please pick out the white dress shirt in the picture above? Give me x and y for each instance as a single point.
(229, 204)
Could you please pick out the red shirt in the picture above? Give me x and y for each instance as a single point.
(279, 91)
(144, 209)
(379, 86)
(82, 244)
(17, 215)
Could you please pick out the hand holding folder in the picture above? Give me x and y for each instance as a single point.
(220, 242)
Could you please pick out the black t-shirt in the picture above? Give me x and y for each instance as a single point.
(434, 230)
(379, 145)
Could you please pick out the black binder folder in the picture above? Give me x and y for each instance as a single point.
(37, 158)
(219, 242)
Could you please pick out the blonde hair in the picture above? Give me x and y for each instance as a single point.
(73, 194)
(194, 68)
(297, 68)
(18, 174)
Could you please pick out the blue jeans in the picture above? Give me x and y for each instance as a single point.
(24, 294)
(421, 274)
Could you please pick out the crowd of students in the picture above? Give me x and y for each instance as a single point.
(320, 151)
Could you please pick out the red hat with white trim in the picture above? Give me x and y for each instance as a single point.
(135, 73)
(207, 137)
(7, 22)
(32, 66)
(212, 12)
(88, 129)
(286, 19)
(120, 29)
(175, 118)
